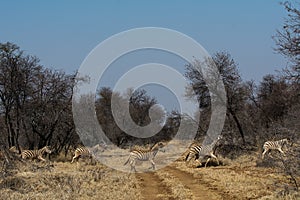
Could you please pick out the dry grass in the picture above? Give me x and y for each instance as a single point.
(243, 178)
(69, 181)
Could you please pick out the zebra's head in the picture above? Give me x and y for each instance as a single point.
(47, 149)
(158, 146)
(285, 141)
(161, 145)
(216, 141)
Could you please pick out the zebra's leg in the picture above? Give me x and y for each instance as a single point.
(263, 154)
(280, 150)
(76, 158)
(73, 159)
(207, 162)
(41, 158)
(190, 156)
(197, 158)
(270, 154)
(132, 164)
(153, 164)
(199, 162)
(23, 155)
(187, 158)
(215, 157)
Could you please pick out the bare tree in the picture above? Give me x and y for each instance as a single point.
(139, 108)
(17, 73)
(273, 99)
(235, 89)
(288, 41)
(35, 102)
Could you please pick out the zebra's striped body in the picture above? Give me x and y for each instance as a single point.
(36, 154)
(143, 155)
(200, 151)
(86, 152)
(274, 145)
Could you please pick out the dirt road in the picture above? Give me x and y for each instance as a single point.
(155, 187)
(152, 185)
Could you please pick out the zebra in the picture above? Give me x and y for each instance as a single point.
(86, 151)
(36, 154)
(274, 145)
(201, 151)
(144, 155)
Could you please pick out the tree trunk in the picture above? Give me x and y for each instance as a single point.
(238, 124)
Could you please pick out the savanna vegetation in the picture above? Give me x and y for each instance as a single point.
(36, 110)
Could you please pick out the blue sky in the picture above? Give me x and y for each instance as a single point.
(62, 33)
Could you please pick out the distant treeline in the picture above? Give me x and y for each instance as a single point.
(36, 102)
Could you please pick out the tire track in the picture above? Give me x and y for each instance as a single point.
(152, 187)
(199, 188)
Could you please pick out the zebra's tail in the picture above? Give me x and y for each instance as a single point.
(127, 161)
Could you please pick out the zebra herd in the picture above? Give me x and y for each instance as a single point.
(32, 154)
(195, 151)
(39, 153)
